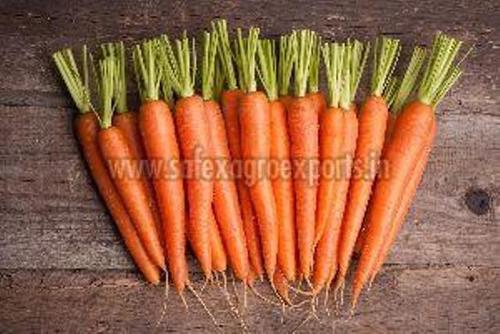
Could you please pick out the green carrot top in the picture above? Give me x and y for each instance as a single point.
(245, 52)
(77, 85)
(225, 53)
(286, 62)
(107, 71)
(313, 80)
(335, 60)
(398, 91)
(210, 43)
(303, 44)
(357, 55)
(268, 67)
(440, 73)
(117, 50)
(147, 72)
(180, 64)
(385, 57)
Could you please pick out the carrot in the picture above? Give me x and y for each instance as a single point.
(280, 161)
(226, 205)
(338, 132)
(229, 103)
(194, 139)
(372, 122)
(256, 148)
(86, 129)
(117, 154)
(397, 97)
(281, 284)
(219, 258)
(304, 150)
(411, 132)
(158, 133)
(128, 123)
(317, 97)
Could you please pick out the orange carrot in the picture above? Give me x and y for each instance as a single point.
(408, 140)
(256, 148)
(226, 205)
(372, 128)
(86, 128)
(406, 200)
(194, 140)
(281, 284)
(304, 151)
(352, 59)
(127, 122)
(331, 139)
(229, 103)
(280, 162)
(158, 133)
(117, 153)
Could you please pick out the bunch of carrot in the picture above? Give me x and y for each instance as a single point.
(260, 172)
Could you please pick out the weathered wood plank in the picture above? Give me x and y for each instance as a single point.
(403, 300)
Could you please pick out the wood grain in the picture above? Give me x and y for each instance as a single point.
(62, 265)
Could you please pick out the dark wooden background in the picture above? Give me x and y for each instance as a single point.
(62, 265)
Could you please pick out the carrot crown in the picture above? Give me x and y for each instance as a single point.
(210, 42)
(333, 57)
(286, 62)
(147, 71)
(117, 50)
(246, 48)
(440, 73)
(225, 54)
(77, 86)
(219, 79)
(303, 43)
(355, 62)
(404, 88)
(180, 64)
(313, 80)
(390, 91)
(385, 57)
(268, 67)
(107, 70)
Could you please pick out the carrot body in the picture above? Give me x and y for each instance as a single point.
(283, 190)
(230, 104)
(256, 148)
(219, 258)
(86, 128)
(408, 195)
(342, 187)
(128, 123)
(330, 143)
(195, 143)
(304, 151)
(226, 205)
(391, 120)
(318, 100)
(372, 123)
(158, 132)
(331, 149)
(115, 149)
(411, 131)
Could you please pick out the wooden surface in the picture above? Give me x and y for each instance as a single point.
(62, 265)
